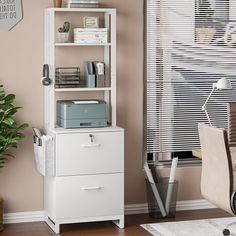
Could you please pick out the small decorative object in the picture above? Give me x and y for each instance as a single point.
(10, 13)
(91, 22)
(10, 133)
(205, 22)
(63, 33)
(57, 3)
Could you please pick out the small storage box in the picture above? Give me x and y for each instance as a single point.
(81, 113)
(90, 35)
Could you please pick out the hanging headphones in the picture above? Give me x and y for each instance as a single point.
(46, 80)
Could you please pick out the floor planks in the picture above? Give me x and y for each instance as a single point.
(106, 228)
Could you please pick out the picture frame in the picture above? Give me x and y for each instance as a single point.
(91, 22)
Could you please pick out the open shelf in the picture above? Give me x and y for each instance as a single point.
(104, 52)
(82, 89)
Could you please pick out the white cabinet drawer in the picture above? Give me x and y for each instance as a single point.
(89, 153)
(89, 196)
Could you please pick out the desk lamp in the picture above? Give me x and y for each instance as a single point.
(221, 84)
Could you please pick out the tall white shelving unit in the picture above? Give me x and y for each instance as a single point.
(84, 168)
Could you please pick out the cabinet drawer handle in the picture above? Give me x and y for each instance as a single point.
(92, 188)
(92, 145)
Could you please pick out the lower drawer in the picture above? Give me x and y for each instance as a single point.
(89, 196)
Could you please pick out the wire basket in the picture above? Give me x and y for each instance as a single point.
(67, 77)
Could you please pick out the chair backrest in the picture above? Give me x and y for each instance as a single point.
(232, 123)
(217, 173)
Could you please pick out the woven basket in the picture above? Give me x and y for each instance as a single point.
(1, 214)
(205, 35)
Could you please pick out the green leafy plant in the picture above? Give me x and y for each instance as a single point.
(10, 132)
(65, 28)
(204, 14)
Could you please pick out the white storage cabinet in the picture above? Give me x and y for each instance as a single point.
(84, 170)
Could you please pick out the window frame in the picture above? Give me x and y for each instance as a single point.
(189, 162)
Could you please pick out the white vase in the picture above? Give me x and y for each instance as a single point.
(62, 37)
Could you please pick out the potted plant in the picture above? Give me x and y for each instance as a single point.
(10, 133)
(204, 22)
(63, 33)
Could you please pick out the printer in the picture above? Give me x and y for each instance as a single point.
(81, 113)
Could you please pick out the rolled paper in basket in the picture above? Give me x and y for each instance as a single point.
(171, 184)
(155, 190)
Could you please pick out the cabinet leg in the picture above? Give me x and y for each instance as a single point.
(57, 228)
(54, 226)
(120, 222)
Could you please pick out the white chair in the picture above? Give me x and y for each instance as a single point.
(232, 123)
(217, 173)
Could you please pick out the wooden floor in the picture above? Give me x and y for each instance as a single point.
(132, 223)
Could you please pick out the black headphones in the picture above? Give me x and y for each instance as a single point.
(46, 80)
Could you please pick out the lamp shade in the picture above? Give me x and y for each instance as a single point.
(222, 84)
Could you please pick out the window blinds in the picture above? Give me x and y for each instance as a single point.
(189, 45)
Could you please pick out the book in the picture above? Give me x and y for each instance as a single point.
(82, 1)
(78, 5)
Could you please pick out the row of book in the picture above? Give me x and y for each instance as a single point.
(81, 3)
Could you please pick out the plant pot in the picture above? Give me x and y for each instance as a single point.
(205, 35)
(57, 3)
(63, 37)
(1, 214)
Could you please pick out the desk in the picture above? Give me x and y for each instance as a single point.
(198, 153)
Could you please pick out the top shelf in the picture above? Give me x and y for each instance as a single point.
(104, 10)
(81, 44)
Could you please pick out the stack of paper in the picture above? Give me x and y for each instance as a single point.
(81, 3)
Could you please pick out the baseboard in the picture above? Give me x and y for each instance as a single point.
(133, 209)
(35, 216)
(23, 217)
(194, 205)
(181, 206)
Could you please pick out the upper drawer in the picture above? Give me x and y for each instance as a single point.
(89, 153)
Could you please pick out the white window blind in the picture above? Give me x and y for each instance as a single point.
(189, 45)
